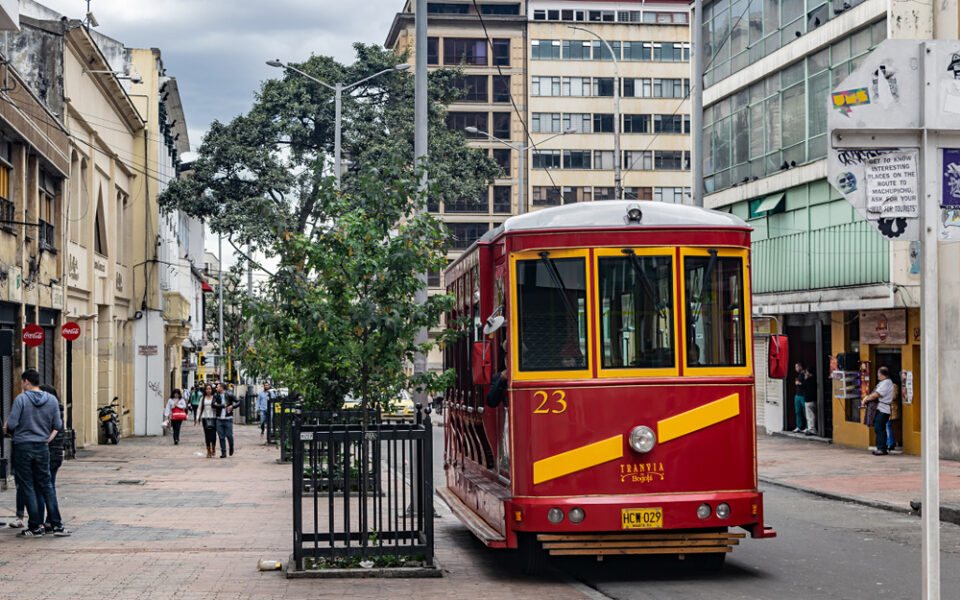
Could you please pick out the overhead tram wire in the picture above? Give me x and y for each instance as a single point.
(687, 95)
(516, 109)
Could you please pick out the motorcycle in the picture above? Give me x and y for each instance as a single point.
(109, 422)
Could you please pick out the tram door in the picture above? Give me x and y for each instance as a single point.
(500, 353)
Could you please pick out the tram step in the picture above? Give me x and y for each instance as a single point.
(614, 543)
(474, 522)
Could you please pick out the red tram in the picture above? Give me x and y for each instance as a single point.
(627, 424)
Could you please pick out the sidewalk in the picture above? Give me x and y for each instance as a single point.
(838, 472)
(154, 520)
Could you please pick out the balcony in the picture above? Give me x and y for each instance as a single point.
(839, 256)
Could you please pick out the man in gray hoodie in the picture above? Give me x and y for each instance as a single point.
(35, 421)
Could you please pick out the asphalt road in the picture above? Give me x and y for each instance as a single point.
(824, 549)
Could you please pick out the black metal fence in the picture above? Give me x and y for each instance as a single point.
(279, 411)
(322, 417)
(362, 493)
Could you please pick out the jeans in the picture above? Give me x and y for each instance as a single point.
(799, 406)
(54, 467)
(891, 441)
(880, 428)
(263, 420)
(811, 409)
(32, 465)
(225, 432)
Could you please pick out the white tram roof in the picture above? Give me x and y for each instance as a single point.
(613, 213)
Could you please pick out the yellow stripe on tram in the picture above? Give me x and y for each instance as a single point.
(698, 418)
(578, 459)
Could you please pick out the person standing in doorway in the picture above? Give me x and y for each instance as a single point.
(263, 406)
(809, 387)
(176, 413)
(883, 394)
(224, 405)
(35, 421)
(799, 404)
(207, 415)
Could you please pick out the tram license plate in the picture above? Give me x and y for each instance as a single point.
(642, 518)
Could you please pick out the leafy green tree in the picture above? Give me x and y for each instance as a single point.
(236, 331)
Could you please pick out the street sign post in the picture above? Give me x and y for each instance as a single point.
(894, 128)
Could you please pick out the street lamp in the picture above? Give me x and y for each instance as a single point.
(521, 152)
(617, 185)
(338, 89)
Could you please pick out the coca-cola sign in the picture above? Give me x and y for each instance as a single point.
(33, 335)
(70, 331)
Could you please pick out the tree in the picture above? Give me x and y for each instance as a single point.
(236, 331)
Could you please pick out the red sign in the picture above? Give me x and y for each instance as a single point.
(70, 331)
(33, 335)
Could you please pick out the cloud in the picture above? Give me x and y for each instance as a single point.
(216, 48)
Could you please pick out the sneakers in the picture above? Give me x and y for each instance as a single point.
(31, 533)
(61, 531)
(796, 430)
(809, 432)
(879, 452)
(16, 523)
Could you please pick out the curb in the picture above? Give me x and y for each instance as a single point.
(949, 513)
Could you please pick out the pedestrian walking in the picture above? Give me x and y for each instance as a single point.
(263, 406)
(224, 405)
(35, 421)
(176, 413)
(799, 403)
(195, 395)
(206, 414)
(809, 387)
(56, 460)
(883, 395)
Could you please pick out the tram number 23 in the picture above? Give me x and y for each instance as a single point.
(550, 402)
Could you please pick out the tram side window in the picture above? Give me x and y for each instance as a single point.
(715, 318)
(636, 304)
(552, 314)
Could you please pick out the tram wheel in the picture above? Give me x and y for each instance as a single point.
(534, 560)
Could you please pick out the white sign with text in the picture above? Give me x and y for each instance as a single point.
(892, 185)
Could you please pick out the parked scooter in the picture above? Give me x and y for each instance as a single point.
(109, 422)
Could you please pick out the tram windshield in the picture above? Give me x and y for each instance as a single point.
(714, 306)
(552, 313)
(636, 304)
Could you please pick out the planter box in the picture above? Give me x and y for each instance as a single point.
(385, 572)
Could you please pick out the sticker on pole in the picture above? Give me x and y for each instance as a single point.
(891, 182)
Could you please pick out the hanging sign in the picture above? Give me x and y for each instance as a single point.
(883, 326)
(32, 335)
(70, 331)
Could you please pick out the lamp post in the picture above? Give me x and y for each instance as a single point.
(521, 152)
(617, 184)
(338, 89)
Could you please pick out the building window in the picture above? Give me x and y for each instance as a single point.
(577, 86)
(467, 205)
(670, 88)
(501, 88)
(501, 52)
(637, 87)
(601, 52)
(469, 51)
(447, 8)
(673, 195)
(604, 193)
(539, 15)
(500, 9)
(459, 121)
(545, 49)
(636, 123)
(603, 86)
(547, 196)
(576, 50)
(546, 159)
(433, 51)
(602, 123)
(502, 195)
(638, 160)
(578, 122)
(433, 278)
(502, 156)
(464, 234)
(501, 125)
(637, 193)
(668, 124)
(473, 88)
(545, 86)
(545, 123)
(669, 160)
(671, 51)
(576, 159)
(603, 160)
(636, 51)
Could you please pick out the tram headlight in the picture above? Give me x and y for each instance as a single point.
(704, 511)
(554, 515)
(577, 515)
(642, 439)
(723, 510)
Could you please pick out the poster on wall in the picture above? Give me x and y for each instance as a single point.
(906, 383)
(883, 326)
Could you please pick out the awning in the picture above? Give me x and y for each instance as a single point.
(206, 286)
(769, 204)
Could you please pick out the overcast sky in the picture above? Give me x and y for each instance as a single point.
(216, 48)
